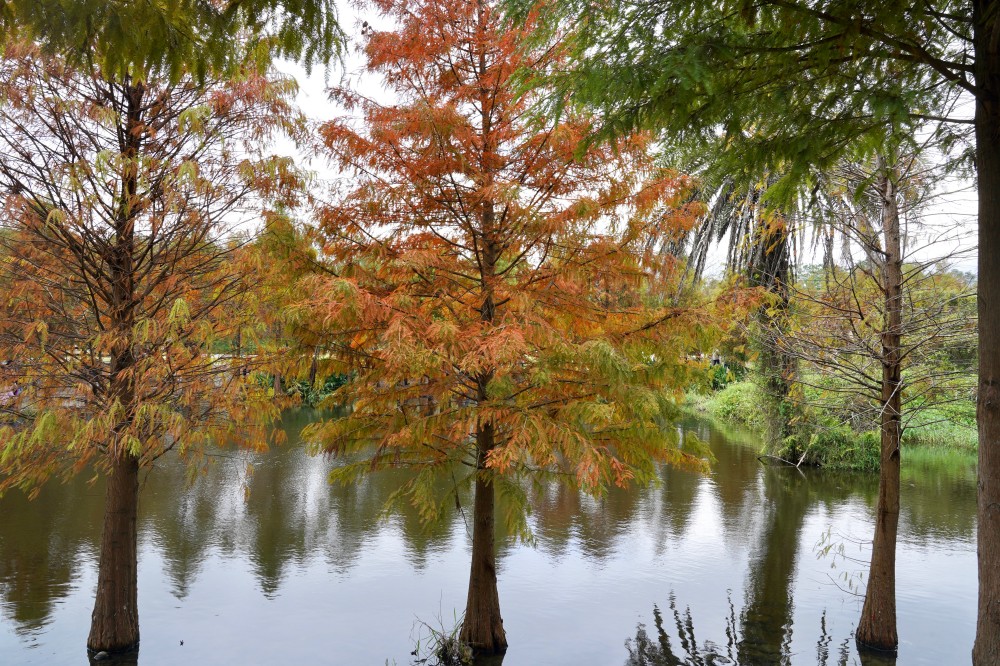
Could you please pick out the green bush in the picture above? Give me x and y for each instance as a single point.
(817, 441)
(725, 375)
(738, 403)
(837, 447)
(311, 395)
(843, 448)
(820, 438)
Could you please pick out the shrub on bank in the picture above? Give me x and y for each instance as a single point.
(839, 447)
(738, 403)
(819, 439)
(312, 395)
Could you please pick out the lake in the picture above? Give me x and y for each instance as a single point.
(279, 567)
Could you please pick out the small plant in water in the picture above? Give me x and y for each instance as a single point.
(441, 646)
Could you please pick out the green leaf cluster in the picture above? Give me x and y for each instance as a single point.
(169, 38)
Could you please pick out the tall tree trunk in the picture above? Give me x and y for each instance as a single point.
(115, 621)
(114, 625)
(483, 626)
(986, 42)
(770, 268)
(877, 628)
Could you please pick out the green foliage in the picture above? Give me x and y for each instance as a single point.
(950, 426)
(723, 375)
(823, 438)
(839, 447)
(960, 461)
(170, 38)
(738, 403)
(789, 86)
(312, 396)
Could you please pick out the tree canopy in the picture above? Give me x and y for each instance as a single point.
(125, 282)
(167, 38)
(787, 86)
(790, 86)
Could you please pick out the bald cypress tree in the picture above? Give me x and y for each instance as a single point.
(794, 85)
(491, 286)
(122, 277)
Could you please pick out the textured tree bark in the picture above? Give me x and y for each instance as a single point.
(114, 625)
(877, 628)
(483, 626)
(986, 42)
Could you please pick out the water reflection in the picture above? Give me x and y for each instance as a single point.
(265, 540)
(766, 620)
(43, 545)
(278, 509)
(673, 642)
(660, 650)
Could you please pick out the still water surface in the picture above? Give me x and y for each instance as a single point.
(721, 568)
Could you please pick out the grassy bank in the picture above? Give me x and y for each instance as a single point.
(938, 435)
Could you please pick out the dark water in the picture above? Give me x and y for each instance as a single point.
(717, 569)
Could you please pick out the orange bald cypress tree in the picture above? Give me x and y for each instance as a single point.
(497, 288)
(124, 279)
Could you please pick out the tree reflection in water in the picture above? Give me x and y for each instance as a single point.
(657, 648)
(297, 551)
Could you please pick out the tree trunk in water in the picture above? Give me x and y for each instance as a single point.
(279, 389)
(986, 22)
(877, 628)
(114, 625)
(482, 628)
(115, 621)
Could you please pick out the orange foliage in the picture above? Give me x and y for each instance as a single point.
(493, 268)
(123, 281)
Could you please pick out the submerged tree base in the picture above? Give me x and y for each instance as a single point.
(125, 657)
(870, 652)
(445, 647)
